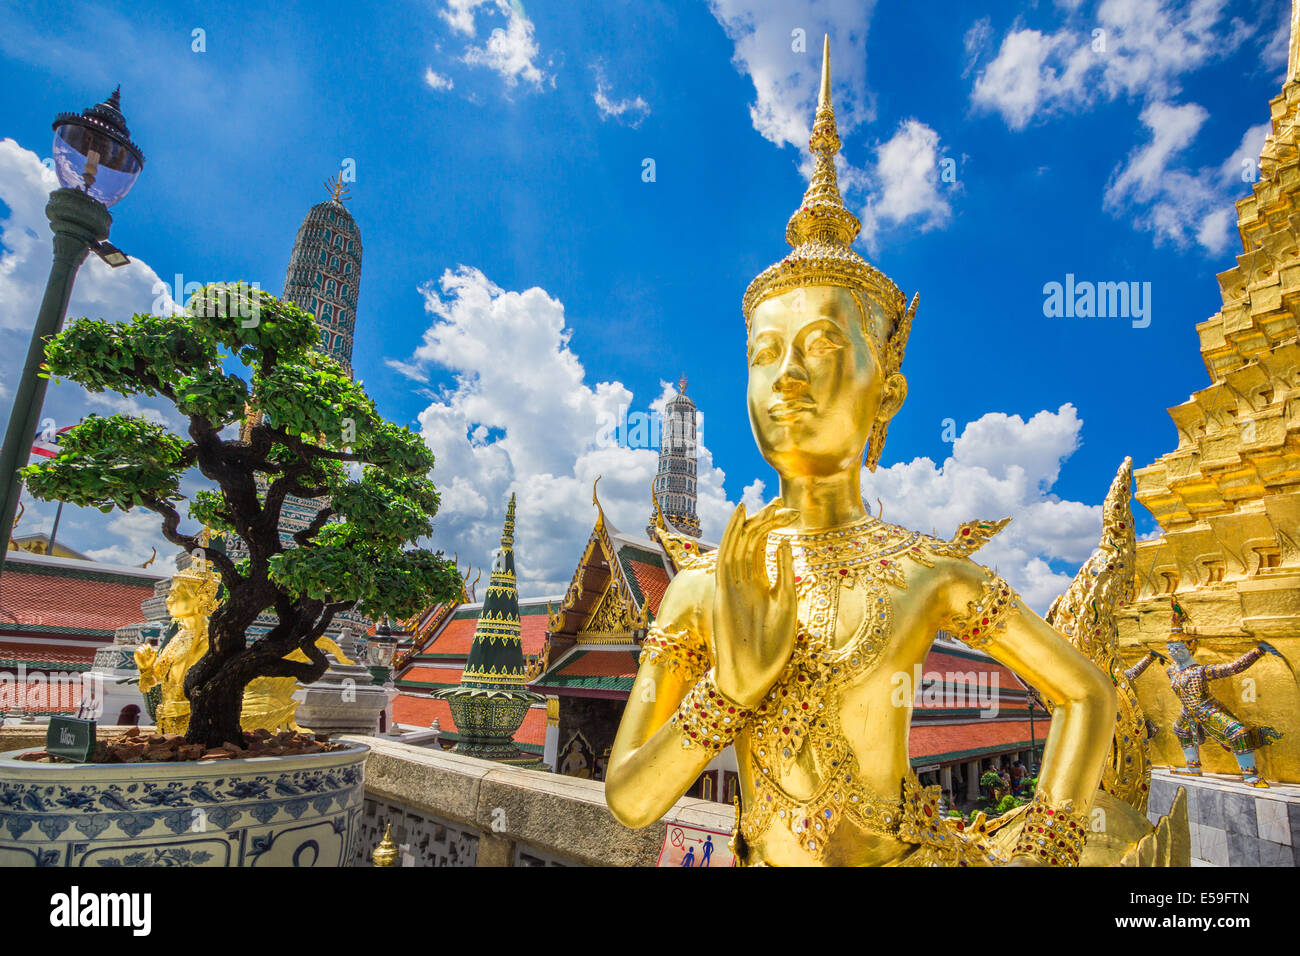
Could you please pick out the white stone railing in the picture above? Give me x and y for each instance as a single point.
(449, 810)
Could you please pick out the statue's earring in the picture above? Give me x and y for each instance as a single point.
(876, 442)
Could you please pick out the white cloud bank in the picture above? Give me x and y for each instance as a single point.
(510, 51)
(522, 416)
(1001, 466)
(1141, 50)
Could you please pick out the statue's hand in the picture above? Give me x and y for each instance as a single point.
(145, 657)
(753, 624)
(1160, 657)
(1268, 648)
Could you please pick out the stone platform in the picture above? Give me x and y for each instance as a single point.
(1233, 824)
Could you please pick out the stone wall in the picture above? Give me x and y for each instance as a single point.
(1232, 824)
(451, 810)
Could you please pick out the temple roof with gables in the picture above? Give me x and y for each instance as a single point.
(60, 610)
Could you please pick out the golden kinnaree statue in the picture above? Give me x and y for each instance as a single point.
(268, 701)
(784, 642)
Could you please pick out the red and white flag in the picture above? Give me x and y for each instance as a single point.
(46, 443)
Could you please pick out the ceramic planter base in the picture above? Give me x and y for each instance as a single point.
(260, 811)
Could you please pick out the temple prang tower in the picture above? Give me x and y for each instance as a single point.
(324, 272)
(674, 487)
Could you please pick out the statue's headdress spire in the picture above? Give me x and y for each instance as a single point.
(821, 234)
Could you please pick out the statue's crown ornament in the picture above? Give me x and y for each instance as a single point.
(200, 576)
(821, 234)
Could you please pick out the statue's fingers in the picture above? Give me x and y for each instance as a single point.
(757, 531)
(730, 543)
(784, 569)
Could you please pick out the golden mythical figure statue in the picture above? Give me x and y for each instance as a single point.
(785, 640)
(268, 701)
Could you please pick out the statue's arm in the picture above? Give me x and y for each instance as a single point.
(651, 763)
(1136, 671)
(990, 616)
(1220, 671)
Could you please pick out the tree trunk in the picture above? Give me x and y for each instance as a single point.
(215, 709)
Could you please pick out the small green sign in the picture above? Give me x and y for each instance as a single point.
(71, 737)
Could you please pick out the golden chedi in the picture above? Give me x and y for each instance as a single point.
(1227, 499)
(785, 641)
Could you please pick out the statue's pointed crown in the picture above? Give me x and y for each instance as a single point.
(821, 234)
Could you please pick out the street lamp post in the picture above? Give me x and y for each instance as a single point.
(97, 164)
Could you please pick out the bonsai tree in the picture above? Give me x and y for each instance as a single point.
(308, 430)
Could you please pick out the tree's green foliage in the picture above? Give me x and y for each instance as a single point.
(111, 462)
(311, 431)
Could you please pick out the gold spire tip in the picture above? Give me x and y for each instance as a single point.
(824, 97)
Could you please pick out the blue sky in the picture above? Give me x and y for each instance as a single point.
(520, 276)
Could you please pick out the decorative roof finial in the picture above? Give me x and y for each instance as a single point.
(681, 385)
(336, 189)
(508, 534)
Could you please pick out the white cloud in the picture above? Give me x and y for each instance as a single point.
(1136, 48)
(629, 110)
(902, 184)
(100, 290)
(1243, 165)
(1181, 205)
(510, 51)
(1001, 466)
(906, 182)
(522, 416)
(786, 80)
(437, 81)
(975, 42)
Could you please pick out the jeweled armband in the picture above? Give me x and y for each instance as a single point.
(986, 615)
(676, 649)
(1052, 833)
(707, 717)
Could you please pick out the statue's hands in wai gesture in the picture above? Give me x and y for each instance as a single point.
(753, 622)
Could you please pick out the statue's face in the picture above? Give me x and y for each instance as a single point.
(815, 383)
(183, 600)
(1181, 653)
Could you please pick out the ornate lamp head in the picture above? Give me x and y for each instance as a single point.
(821, 234)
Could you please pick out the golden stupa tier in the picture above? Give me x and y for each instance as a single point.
(1227, 499)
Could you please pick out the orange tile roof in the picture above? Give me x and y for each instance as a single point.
(75, 602)
(54, 653)
(41, 697)
(424, 674)
(455, 638)
(458, 635)
(600, 664)
(939, 660)
(971, 740)
(653, 581)
(420, 712)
